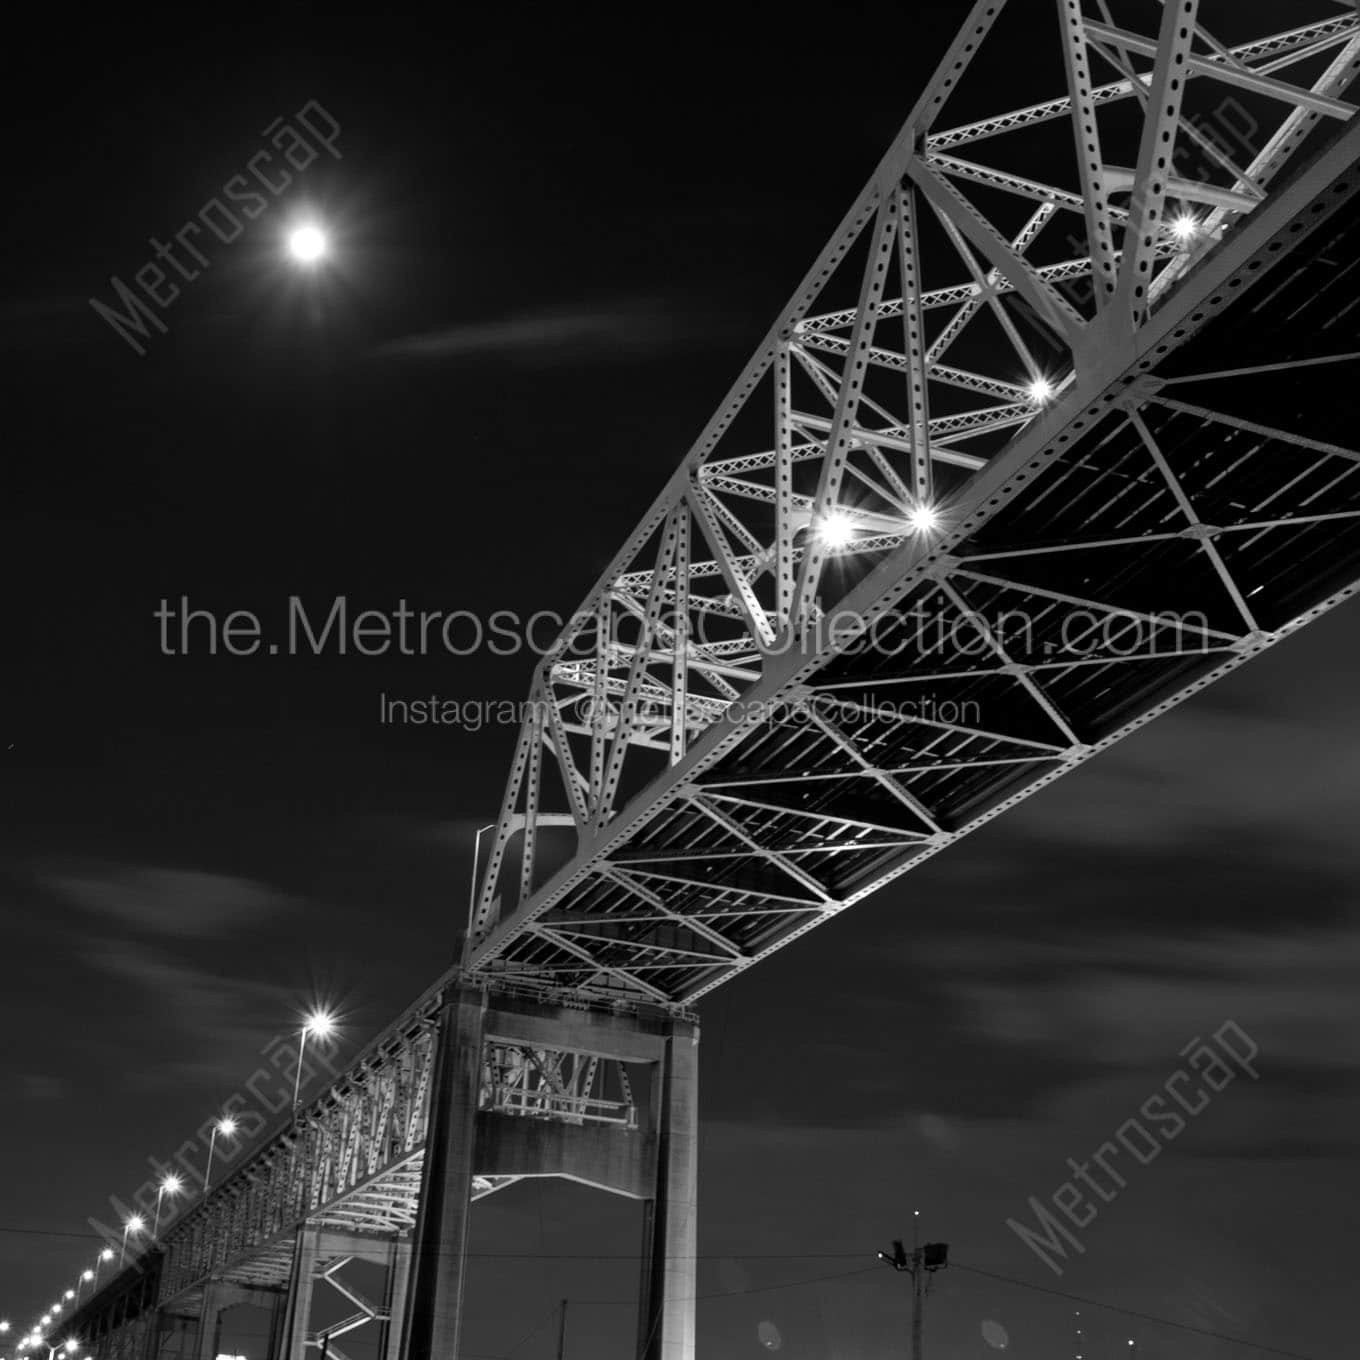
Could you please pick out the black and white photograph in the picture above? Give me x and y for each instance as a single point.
(681, 683)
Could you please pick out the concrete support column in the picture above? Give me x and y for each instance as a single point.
(299, 1307)
(434, 1312)
(209, 1319)
(670, 1234)
(394, 1300)
(278, 1319)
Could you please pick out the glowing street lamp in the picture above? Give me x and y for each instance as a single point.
(226, 1126)
(320, 1025)
(171, 1186)
(105, 1255)
(836, 529)
(1040, 389)
(85, 1277)
(924, 518)
(69, 1294)
(134, 1225)
(1184, 228)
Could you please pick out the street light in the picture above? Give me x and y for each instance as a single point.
(923, 518)
(226, 1126)
(1040, 389)
(472, 889)
(134, 1225)
(835, 530)
(320, 1025)
(171, 1186)
(85, 1277)
(1184, 227)
(105, 1255)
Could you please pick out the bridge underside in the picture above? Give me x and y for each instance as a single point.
(1204, 504)
(381, 1208)
(475, 1091)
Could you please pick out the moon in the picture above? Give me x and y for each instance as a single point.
(307, 244)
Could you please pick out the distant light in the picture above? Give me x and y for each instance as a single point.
(135, 1224)
(106, 1254)
(172, 1185)
(923, 519)
(70, 1294)
(320, 1024)
(307, 244)
(226, 1127)
(835, 530)
(84, 1275)
(1184, 227)
(4, 1326)
(995, 1335)
(1039, 389)
(72, 1345)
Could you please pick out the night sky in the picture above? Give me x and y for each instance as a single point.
(556, 239)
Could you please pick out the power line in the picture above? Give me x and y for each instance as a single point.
(1133, 1313)
(525, 1255)
(20, 1230)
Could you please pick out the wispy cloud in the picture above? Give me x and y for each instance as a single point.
(165, 901)
(619, 331)
(211, 1017)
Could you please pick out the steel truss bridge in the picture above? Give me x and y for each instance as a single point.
(1050, 437)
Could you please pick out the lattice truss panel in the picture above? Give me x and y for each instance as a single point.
(365, 1309)
(351, 1161)
(720, 752)
(561, 1085)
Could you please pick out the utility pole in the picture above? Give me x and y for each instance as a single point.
(562, 1332)
(921, 1264)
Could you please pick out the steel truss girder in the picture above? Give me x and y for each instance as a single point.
(668, 653)
(351, 1161)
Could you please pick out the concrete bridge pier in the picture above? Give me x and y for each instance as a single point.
(292, 1331)
(652, 1158)
(218, 1296)
(670, 1232)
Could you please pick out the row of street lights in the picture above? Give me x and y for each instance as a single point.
(319, 1024)
(36, 1337)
